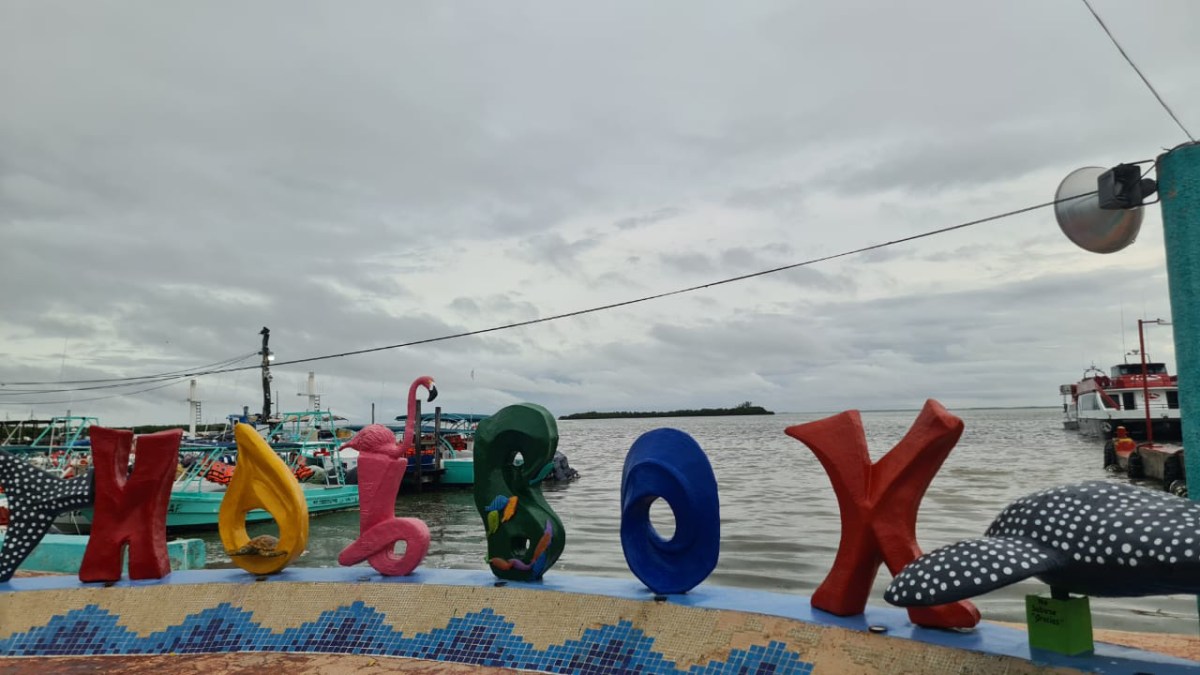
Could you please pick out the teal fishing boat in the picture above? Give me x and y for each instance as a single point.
(307, 441)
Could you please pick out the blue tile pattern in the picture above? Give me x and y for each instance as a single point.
(482, 638)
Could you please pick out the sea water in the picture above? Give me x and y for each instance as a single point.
(780, 523)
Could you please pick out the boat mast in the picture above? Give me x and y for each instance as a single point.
(194, 411)
(314, 399)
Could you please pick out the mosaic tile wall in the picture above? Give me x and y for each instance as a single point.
(546, 631)
(480, 637)
(484, 638)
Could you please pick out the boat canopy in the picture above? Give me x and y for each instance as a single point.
(447, 418)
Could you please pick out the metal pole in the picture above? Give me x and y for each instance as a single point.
(1179, 189)
(1145, 384)
(437, 443)
(417, 448)
(192, 410)
(266, 376)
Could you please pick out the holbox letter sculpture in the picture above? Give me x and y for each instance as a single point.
(878, 504)
(130, 508)
(524, 535)
(668, 464)
(262, 481)
(380, 471)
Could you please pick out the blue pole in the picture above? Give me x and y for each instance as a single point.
(1179, 189)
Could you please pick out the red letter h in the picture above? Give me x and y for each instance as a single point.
(130, 508)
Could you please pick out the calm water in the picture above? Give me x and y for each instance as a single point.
(779, 518)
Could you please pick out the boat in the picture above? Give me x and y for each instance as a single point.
(308, 439)
(59, 445)
(1070, 409)
(452, 437)
(1099, 402)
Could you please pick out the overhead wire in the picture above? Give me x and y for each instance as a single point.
(614, 305)
(131, 382)
(98, 398)
(1139, 71)
(590, 310)
(170, 373)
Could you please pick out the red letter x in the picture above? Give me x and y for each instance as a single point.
(130, 508)
(879, 505)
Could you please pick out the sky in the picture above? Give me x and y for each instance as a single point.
(176, 176)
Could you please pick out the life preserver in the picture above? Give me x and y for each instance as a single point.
(69, 472)
(303, 473)
(219, 473)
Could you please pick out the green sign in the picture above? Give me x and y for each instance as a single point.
(1062, 626)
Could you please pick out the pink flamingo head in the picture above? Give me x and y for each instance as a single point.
(409, 422)
(374, 439)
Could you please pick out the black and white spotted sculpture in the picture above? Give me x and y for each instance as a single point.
(1095, 538)
(35, 497)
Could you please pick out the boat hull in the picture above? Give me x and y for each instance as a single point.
(458, 472)
(198, 510)
(1164, 429)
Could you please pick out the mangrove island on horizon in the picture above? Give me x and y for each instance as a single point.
(744, 408)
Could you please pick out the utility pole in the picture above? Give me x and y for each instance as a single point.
(1179, 190)
(266, 376)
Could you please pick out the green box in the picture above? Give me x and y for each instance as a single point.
(1062, 626)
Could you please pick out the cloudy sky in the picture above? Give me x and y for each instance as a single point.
(175, 176)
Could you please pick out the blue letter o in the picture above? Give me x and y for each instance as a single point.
(668, 464)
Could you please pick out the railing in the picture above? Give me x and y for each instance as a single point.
(1155, 406)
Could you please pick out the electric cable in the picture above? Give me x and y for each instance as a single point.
(117, 382)
(1139, 72)
(99, 398)
(614, 305)
(171, 373)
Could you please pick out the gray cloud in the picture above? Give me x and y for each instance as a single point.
(173, 180)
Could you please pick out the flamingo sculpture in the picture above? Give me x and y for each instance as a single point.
(408, 444)
(383, 464)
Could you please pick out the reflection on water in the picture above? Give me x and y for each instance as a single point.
(779, 518)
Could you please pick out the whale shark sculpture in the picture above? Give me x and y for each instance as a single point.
(1094, 538)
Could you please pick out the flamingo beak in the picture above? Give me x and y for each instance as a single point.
(432, 391)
